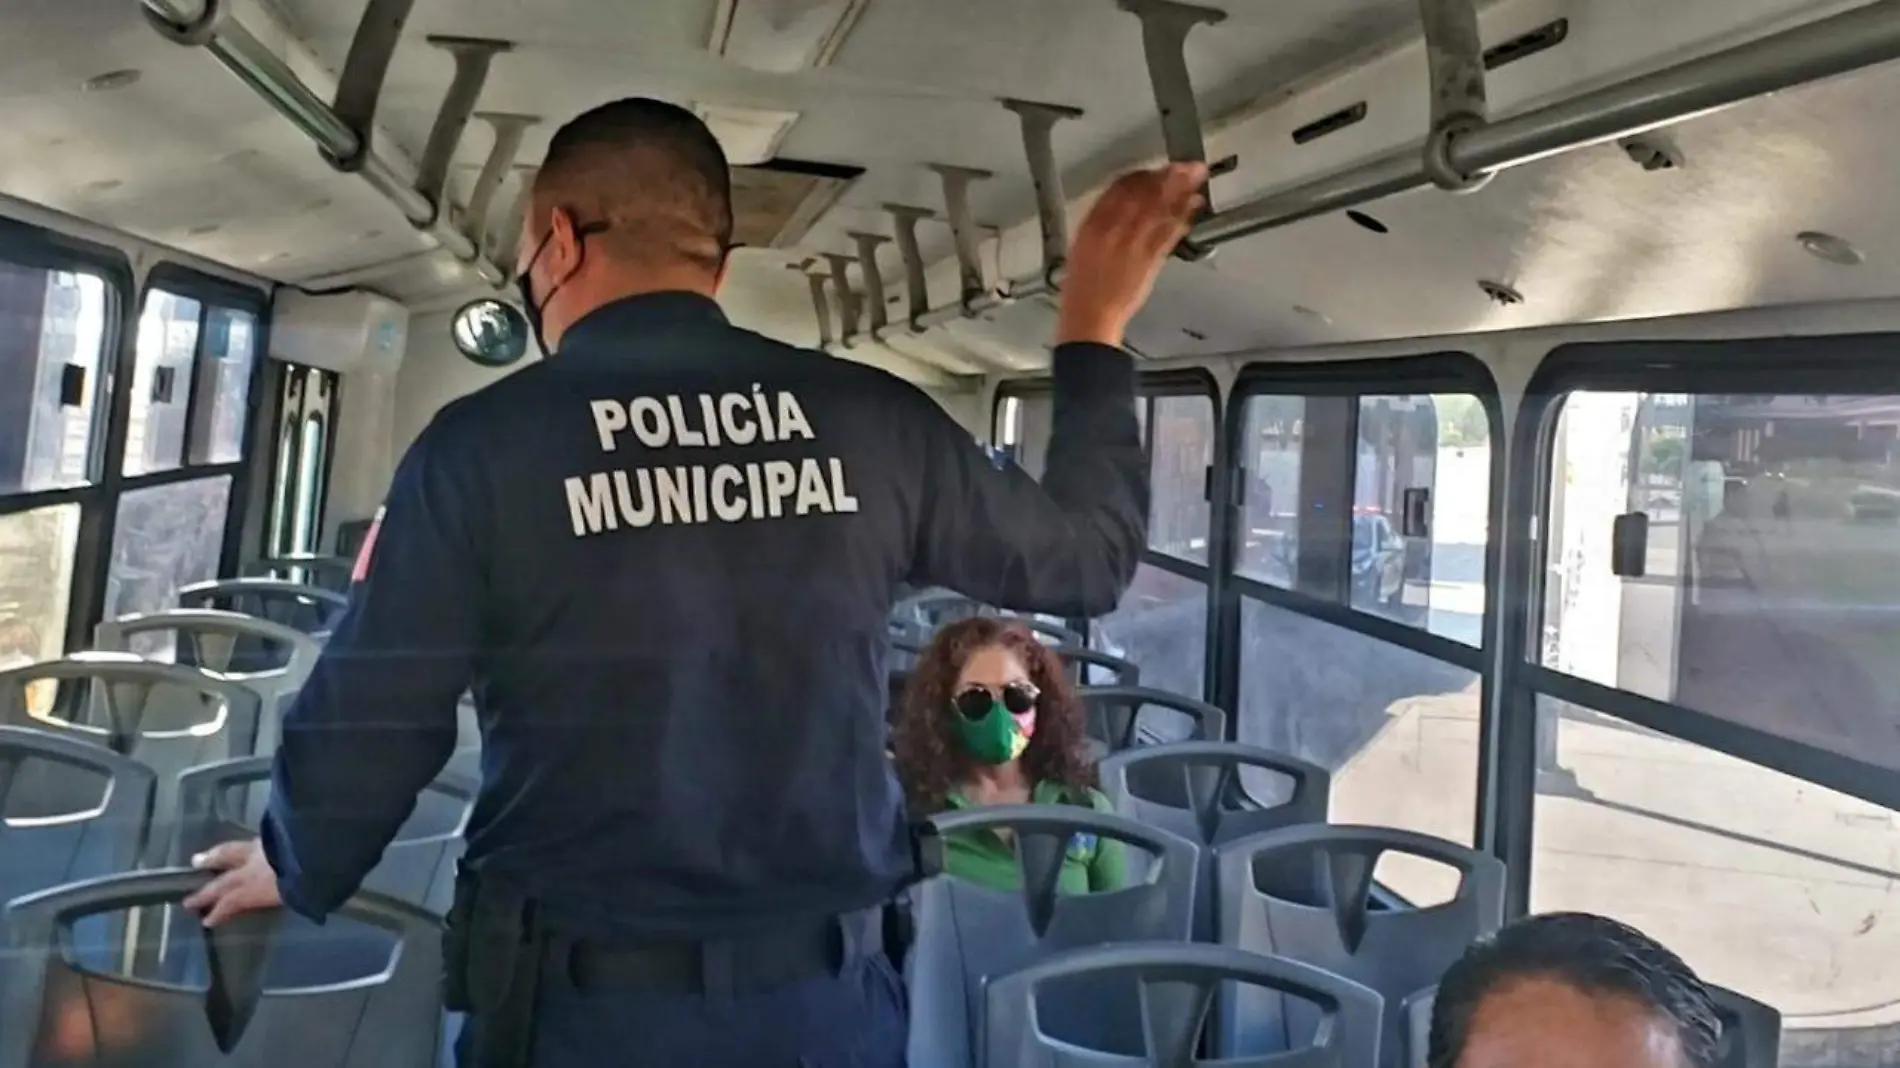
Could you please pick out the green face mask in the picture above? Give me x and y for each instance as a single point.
(994, 737)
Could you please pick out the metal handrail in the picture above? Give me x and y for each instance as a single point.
(257, 66)
(1831, 46)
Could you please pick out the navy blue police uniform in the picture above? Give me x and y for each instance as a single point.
(663, 563)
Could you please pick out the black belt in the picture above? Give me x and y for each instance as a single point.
(788, 952)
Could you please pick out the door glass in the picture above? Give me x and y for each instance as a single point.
(36, 577)
(224, 386)
(53, 327)
(1764, 586)
(166, 537)
(161, 383)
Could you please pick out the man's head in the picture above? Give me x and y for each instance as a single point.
(1568, 990)
(634, 197)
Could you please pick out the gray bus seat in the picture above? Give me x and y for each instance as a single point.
(467, 758)
(1113, 716)
(966, 933)
(169, 717)
(1305, 893)
(310, 609)
(1415, 1015)
(55, 1013)
(69, 810)
(1751, 1031)
(1168, 990)
(225, 801)
(1092, 667)
(270, 658)
(324, 572)
(1194, 790)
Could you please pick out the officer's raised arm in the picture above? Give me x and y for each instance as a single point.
(376, 720)
(1070, 545)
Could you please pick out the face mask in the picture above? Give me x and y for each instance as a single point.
(994, 737)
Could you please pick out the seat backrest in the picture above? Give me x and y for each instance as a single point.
(394, 1021)
(270, 658)
(1167, 990)
(310, 609)
(1306, 893)
(1194, 790)
(69, 810)
(966, 934)
(1415, 1024)
(1094, 668)
(1113, 715)
(198, 717)
(1751, 1031)
(326, 572)
(223, 801)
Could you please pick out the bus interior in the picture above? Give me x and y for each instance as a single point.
(1484, 475)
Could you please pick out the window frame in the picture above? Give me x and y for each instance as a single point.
(1828, 363)
(1439, 372)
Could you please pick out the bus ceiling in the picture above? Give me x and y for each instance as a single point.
(1464, 147)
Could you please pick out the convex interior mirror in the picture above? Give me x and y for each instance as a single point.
(490, 332)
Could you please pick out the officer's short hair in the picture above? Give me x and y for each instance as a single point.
(651, 171)
(1589, 953)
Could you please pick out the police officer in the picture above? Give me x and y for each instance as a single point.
(662, 560)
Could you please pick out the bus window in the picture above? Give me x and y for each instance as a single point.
(224, 384)
(54, 327)
(1161, 623)
(161, 383)
(1356, 505)
(166, 536)
(1770, 586)
(1770, 885)
(1762, 590)
(1421, 506)
(1270, 464)
(36, 578)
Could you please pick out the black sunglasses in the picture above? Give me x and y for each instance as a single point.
(1017, 697)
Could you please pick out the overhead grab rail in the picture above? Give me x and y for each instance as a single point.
(1463, 148)
(1463, 152)
(341, 131)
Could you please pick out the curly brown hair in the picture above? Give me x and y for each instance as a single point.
(931, 762)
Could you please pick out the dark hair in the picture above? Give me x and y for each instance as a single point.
(931, 761)
(1590, 953)
(651, 170)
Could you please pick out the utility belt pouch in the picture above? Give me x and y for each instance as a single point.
(493, 952)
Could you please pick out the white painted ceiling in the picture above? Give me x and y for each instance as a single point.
(190, 158)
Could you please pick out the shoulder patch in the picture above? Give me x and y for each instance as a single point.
(363, 554)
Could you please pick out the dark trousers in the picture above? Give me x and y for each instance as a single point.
(857, 1018)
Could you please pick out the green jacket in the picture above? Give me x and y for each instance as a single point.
(1092, 864)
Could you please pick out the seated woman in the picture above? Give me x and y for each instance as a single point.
(989, 719)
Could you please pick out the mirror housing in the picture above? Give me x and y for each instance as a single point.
(490, 332)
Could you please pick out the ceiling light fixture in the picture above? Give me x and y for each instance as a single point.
(1825, 246)
(782, 36)
(112, 79)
